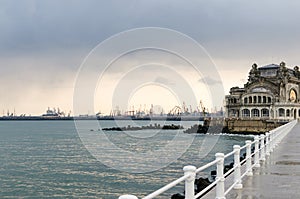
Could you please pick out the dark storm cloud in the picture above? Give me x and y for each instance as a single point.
(38, 25)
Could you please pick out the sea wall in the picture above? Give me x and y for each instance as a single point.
(251, 126)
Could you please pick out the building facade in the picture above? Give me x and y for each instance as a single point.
(271, 92)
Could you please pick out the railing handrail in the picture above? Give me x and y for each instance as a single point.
(264, 144)
(206, 166)
(167, 187)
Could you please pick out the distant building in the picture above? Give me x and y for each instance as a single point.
(272, 92)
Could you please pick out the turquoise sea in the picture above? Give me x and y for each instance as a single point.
(46, 159)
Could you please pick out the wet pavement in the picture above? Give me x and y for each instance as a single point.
(277, 178)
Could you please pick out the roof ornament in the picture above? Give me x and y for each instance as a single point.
(296, 68)
(297, 72)
(283, 67)
(283, 71)
(254, 73)
(282, 64)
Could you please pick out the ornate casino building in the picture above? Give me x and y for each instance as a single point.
(271, 93)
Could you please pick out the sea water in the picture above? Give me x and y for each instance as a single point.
(47, 159)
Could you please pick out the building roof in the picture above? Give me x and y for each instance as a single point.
(270, 66)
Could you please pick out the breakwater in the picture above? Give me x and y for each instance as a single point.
(149, 127)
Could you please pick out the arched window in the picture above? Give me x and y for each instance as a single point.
(265, 112)
(293, 95)
(250, 100)
(245, 100)
(259, 99)
(269, 100)
(234, 100)
(255, 112)
(233, 113)
(245, 113)
(288, 113)
(254, 99)
(281, 112)
(264, 99)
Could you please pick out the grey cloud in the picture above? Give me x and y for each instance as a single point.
(164, 81)
(209, 81)
(56, 35)
(50, 23)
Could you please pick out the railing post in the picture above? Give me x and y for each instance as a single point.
(271, 141)
(220, 192)
(276, 138)
(128, 197)
(190, 181)
(262, 148)
(249, 158)
(267, 144)
(237, 164)
(256, 156)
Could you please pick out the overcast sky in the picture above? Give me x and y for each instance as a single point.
(44, 42)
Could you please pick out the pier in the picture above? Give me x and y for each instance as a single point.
(279, 175)
(271, 169)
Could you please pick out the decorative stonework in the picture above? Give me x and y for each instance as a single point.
(272, 92)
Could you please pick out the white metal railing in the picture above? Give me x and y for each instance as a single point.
(263, 146)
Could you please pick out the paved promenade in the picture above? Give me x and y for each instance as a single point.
(279, 176)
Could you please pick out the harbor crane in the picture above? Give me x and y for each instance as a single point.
(175, 111)
(202, 108)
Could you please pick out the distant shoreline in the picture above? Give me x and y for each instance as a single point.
(42, 118)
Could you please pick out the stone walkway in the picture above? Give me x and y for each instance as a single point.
(277, 178)
(279, 175)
